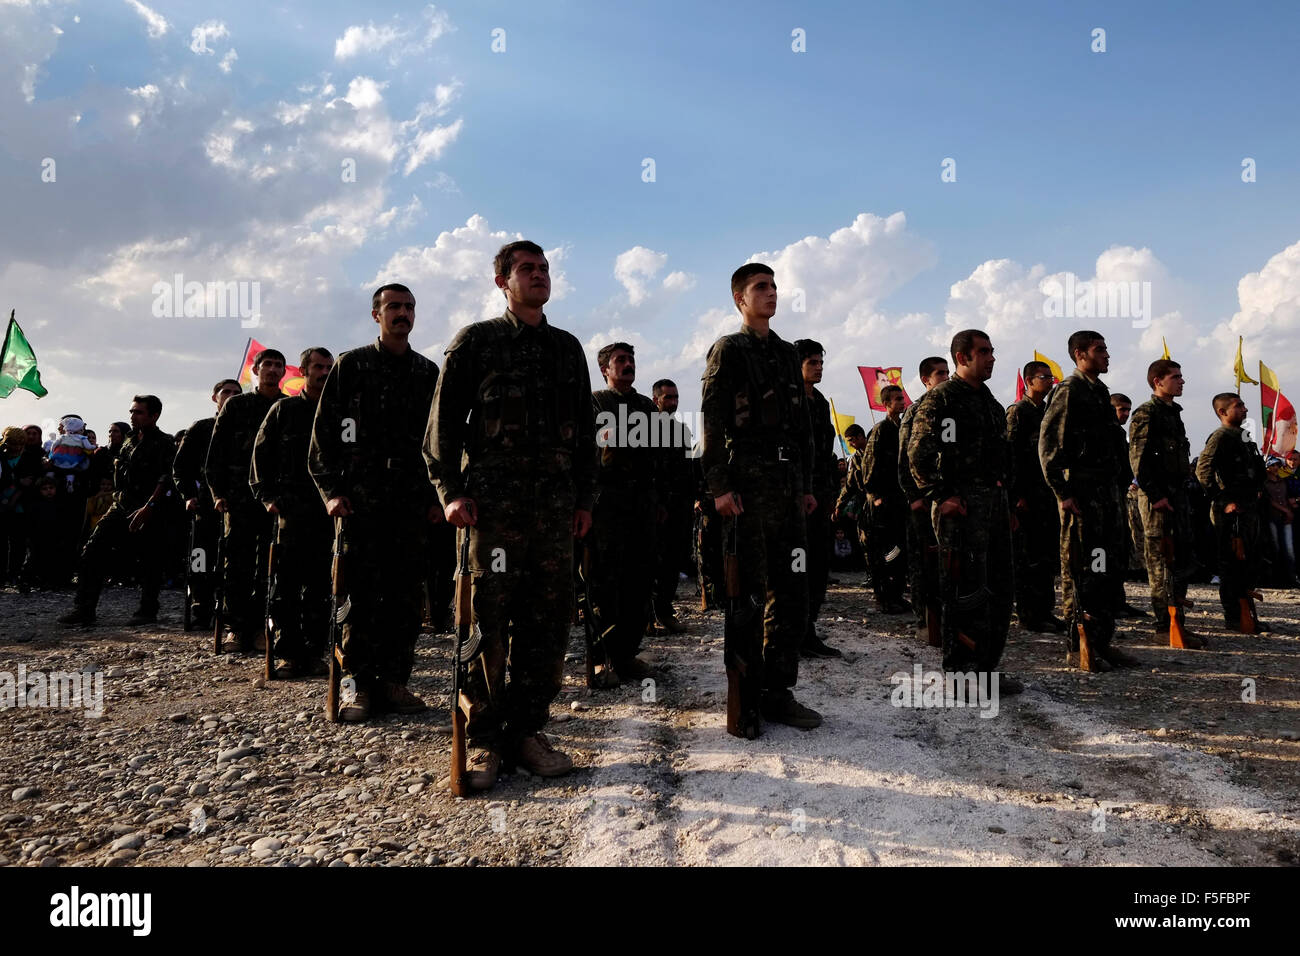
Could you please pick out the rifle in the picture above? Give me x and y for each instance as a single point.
(468, 639)
(595, 636)
(742, 654)
(1079, 618)
(1249, 617)
(189, 564)
(340, 608)
(268, 626)
(218, 590)
(1177, 636)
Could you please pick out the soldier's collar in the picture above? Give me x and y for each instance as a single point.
(517, 324)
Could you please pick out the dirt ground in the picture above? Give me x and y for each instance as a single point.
(196, 761)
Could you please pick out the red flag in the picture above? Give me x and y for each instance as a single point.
(292, 382)
(874, 378)
(1020, 385)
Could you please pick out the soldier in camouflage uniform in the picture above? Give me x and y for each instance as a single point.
(365, 458)
(961, 463)
(883, 517)
(1037, 538)
(299, 601)
(1232, 472)
(248, 529)
(142, 477)
(922, 548)
(680, 487)
(627, 516)
(757, 458)
(1129, 510)
(187, 476)
(825, 488)
(1159, 453)
(1076, 446)
(519, 479)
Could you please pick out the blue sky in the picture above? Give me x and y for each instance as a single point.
(1122, 164)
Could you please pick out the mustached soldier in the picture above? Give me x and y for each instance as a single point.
(248, 530)
(681, 482)
(757, 458)
(627, 516)
(1037, 538)
(187, 476)
(1231, 470)
(142, 478)
(300, 595)
(961, 462)
(922, 548)
(1158, 453)
(365, 457)
(1076, 446)
(512, 447)
(825, 488)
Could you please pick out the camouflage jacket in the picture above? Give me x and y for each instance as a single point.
(369, 428)
(754, 410)
(279, 473)
(905, 481)
(959, 441)
(1024, 423)
(144, 462)
(825, 474)
(230, 452)
(187, 470)
(1158, 451)
(513, 400)
(633, 442)
(1230, 468)
(1076, 443)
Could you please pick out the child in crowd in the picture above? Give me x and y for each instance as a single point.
(42, 518)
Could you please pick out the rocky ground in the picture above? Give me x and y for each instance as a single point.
(196, 761)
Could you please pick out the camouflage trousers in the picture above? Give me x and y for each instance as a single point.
(207, 529)
(299, 601)
(1138, 553)
(976, 580)
(1037, 543)
(111, 542)
(922, 562)
(1089, 543)
(247, 541)
(1238, 540)
(820, 536)
(884, 537)
(384, 553)
(672, 552)
(708, 554)
(772, 546)
(623, 533)
(1170, 554)
(521, 558)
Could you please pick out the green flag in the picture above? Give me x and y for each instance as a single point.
(18, 364)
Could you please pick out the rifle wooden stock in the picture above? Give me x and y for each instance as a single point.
(1176, 634)
(218, 591)
(189, 569)
(268, 636)
(933, 631)
(1085, 650)
(336, 665)
(1247, 621)
(464, 621)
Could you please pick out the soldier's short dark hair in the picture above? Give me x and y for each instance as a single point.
(606, 353)
(152, 404)
(740, 278)
(224, 382)
(1159, 369)
(305, 358)
(505, 258)
(1032, 368)
(1119, 398)
(1223, 401)
(391, 287)
(887, 392)
(930, 365)
(1081, 341)
(808, 348)
(854, 430)
(963, 343)
(265, 354)
(657, 389)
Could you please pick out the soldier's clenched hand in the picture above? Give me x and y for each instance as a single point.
(728, 505)
(462, 513)
(952, 506)
(339, 507)
(581, 523)
(809, 504)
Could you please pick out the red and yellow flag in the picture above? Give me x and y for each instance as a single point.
(874, 378)
(292, 382)
(1278, 414)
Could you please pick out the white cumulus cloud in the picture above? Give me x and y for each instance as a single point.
(155, 23)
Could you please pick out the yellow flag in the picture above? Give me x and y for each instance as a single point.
(1166, 345)
(1056, 369)
(842, 422)
(1239, 368)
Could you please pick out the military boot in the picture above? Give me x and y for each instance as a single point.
(540, 758)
